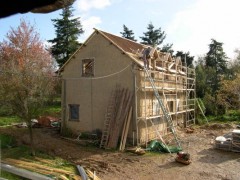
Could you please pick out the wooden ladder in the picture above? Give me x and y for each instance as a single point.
(108, 119)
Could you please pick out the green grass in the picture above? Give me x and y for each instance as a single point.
(8, 120)
(8, 175)
(6, 141)
(16, 152)
(24, 153)
(52, 110)
(230, 116)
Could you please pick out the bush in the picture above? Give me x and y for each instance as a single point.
(232, 115)
(5, 110)
(6, 141)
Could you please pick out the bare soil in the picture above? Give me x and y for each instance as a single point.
(207, 162)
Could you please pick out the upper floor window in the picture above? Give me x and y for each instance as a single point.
(88, 67)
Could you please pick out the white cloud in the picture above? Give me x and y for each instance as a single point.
(86, 5)
(88, 24)
(192, 29)
(47, 44)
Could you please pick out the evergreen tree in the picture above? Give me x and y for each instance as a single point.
(189, 59)
(127, 33)
(167, 48)
(153, 36)
(217, 60)
(216, 57)
(67, 31)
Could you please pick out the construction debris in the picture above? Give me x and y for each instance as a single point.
(92, 175)
(48, 121)
(189, 130)
(236, 140)
(136, 150)
(229, 142)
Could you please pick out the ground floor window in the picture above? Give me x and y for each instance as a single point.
(74, 112)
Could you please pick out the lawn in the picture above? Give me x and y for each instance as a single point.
(50, 110)
(8, 120)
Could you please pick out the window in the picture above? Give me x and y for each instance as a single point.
(88, 67)
(73, 112)
(166, 77)
(170, 106)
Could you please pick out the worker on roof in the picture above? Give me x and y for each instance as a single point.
(146, 56)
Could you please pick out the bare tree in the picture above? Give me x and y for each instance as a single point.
(26, 74)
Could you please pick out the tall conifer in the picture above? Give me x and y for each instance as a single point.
(127, 33)
(67, 30)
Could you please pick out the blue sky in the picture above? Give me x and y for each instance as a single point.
(189, 24)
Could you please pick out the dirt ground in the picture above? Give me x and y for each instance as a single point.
(207, 162)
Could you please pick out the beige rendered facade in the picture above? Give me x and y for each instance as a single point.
(106, 60)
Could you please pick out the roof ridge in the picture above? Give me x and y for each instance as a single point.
(125, 39)
(120, 37)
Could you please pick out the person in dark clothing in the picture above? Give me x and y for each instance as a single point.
(146, 56)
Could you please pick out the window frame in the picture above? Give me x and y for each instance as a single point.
(86, 62)
(70, 117)
(170, 105)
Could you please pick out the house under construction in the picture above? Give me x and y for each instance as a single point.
(106, 87)
(175, 84)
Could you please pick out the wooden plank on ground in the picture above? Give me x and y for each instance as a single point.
(43, 169)
(92, 175)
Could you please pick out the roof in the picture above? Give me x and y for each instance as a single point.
(126, 45)
(133, 50)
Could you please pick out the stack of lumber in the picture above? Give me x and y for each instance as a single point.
(122, 106)
(42, 168)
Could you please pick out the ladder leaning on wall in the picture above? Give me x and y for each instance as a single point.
(163, 108)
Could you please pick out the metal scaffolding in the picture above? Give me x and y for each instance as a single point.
(175, 84)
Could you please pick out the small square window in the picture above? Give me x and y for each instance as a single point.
(88, 67)
(73, 112)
